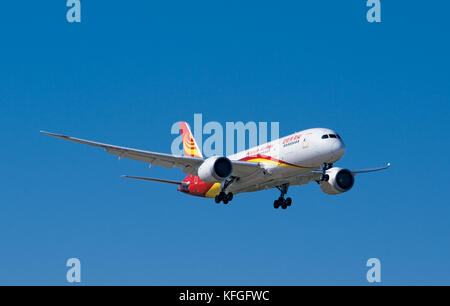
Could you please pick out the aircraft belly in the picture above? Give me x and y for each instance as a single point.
(260, 182)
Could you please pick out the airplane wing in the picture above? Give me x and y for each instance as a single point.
(302, 179)
(371, 169)
(187, 163)
(318, 172)
(153, 179)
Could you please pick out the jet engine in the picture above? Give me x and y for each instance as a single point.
(339, 181)
(215, 169)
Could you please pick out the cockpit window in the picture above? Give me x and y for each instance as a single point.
(326, 136)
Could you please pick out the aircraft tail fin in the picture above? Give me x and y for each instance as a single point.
(190, 147)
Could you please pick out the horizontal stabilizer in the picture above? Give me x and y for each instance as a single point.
(152, 179)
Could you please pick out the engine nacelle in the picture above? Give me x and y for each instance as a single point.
(340, 181)
(215, 169)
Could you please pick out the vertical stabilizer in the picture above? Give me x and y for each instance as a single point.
(190, 147)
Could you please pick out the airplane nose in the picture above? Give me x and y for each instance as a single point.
(339, 149)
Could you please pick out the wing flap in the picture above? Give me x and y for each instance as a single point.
(243, 168)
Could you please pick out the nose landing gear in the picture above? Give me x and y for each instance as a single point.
(325, 177)
(281, 201)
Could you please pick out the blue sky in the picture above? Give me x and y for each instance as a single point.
(130, 70)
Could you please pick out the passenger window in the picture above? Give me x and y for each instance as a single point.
(325, 136)
(332, 136)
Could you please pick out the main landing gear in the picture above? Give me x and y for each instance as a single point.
(281, 201)
(224, 196)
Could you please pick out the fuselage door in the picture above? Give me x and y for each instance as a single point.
(305, 142)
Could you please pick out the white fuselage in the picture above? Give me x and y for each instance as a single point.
(291, 156)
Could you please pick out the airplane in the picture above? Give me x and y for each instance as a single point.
(300, 158)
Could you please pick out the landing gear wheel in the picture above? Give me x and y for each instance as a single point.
(281, 201)
(223, 197)
(276, 204)
(288, 201)
(220, 197)
(230, 196)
